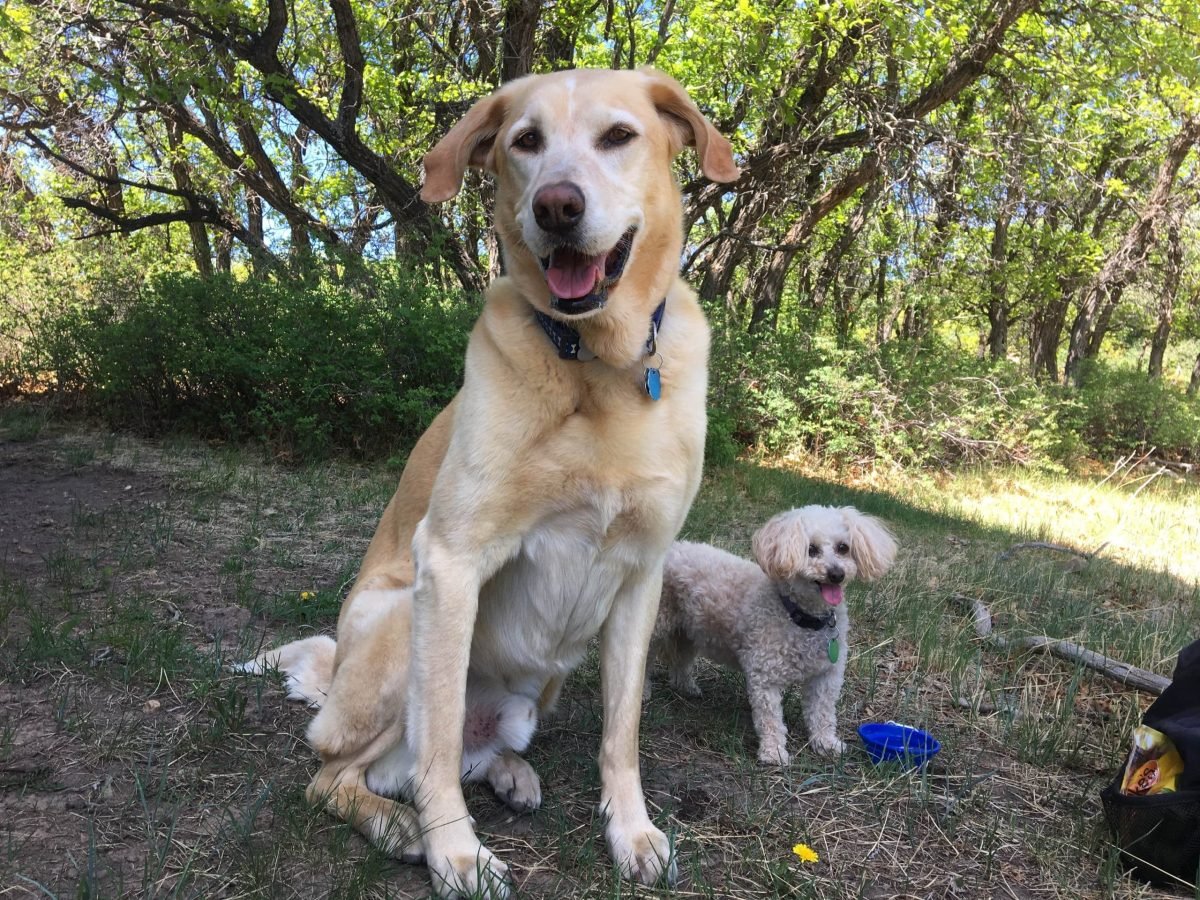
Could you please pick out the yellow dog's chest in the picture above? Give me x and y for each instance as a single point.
(537, 613)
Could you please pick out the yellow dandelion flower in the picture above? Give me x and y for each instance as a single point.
(806, 853)
(306, 595)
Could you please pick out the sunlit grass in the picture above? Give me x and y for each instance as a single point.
(1142, 518)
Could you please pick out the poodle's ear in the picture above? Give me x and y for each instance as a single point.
(469, 143)
(780, 547)
(871, 544)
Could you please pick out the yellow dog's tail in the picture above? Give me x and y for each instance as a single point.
(307, 667)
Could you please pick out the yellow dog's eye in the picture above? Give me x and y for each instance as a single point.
(617, 135)
(530, 140)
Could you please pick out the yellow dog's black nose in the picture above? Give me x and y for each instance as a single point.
(559, 207)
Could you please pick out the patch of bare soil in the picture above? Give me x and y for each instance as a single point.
(131, 762)
(43, 497)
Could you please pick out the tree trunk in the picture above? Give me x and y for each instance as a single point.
(831, 265)
(997, 310)
(224, 252)
(1194, 383)
(867, 170)
(254, 225)
(1046, 328)
(770, 288)
(201, 248)
(516, 42)
(1166, 300)
(1125, 261)
(884, 312)
(1103, 320)
(729, 253)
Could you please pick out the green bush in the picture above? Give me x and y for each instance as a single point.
(1122, 411)
(907, 404)
(312, 366)
(308, 366)
(925, 404)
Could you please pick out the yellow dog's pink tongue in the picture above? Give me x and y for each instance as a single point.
(832, 594)
(572, 274)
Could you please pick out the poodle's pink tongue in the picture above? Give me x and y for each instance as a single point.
(832, 594)
(572, 274)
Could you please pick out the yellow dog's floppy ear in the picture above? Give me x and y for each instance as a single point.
(674, 104)
(469, 143)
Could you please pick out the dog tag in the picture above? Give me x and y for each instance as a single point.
(834, 650)
(653, 384)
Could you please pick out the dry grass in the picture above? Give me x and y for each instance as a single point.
(132, 764)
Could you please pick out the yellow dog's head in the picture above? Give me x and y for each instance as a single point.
(587, 207)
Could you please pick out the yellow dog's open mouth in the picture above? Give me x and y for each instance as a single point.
(580, 282)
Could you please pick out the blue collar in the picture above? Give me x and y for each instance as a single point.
(568, 343)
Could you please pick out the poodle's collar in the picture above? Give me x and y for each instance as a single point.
(805, 620)
(569, 344)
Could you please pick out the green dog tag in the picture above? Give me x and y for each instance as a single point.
(834, 650)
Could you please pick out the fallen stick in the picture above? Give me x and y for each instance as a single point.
(1185, 468)
(1121, 672)
(1045, 545)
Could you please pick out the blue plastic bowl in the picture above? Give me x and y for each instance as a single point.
(891, 742)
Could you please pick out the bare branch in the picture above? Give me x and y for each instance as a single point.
(1121, 672)
(664, 32)
(353, 63)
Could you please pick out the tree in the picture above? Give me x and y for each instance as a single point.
(1120, 266)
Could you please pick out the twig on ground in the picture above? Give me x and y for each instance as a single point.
(1185, 468)
(1046, 545)
(1117, 468)
(1121, 672)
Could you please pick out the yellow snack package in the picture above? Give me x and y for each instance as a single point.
(1153, 763)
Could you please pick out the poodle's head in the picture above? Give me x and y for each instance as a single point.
(816, 550)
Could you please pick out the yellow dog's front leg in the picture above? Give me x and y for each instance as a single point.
(640, 849)
(446, 599)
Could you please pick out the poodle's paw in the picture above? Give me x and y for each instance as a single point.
(472, 872)
(515, 782)
(773, 756)
(643, 854)
(828, 745)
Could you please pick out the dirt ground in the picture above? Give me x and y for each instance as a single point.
(133, 764)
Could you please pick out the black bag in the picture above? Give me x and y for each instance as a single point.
(1159, 835)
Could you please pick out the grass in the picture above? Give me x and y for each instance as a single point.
(133, 764)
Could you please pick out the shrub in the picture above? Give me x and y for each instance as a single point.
(308, 366)
(1123, 411)
(907, 404)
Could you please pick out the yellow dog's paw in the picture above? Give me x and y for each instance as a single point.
(644, 855)
(515, 782)
(470, 875)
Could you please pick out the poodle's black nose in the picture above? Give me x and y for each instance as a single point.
(835, 576)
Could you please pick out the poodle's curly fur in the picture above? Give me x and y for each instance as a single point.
(728, 609)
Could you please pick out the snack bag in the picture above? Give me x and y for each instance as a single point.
(1153, 764)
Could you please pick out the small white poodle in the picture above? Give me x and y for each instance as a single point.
(781, 624)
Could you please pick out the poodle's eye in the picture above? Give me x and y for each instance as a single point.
(843, 548)
(814, 551)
